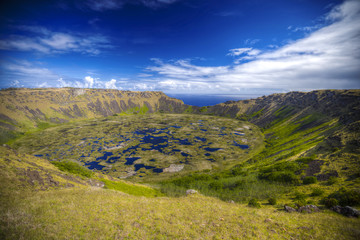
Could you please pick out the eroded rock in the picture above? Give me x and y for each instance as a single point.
(346, 211)
(289, 209)
(174, 168)
(308, 209)
(190, 191)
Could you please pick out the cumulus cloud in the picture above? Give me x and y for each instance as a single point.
(111, 84)
(89, 81)
(326, 58)
(40, 39)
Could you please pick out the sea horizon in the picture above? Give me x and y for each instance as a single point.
(202, 100)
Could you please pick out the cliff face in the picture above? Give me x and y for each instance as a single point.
(342, 104)
(23, 109)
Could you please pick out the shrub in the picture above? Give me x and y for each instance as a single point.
(283, 176)
(300, 202)
(216, 185)
(317, 192)
(73, 167)
(306, 160)
(332, 180)
(300, 196)
(347, 197)
(272, 201)
(282, 172)
(309, 180)
(203, 109)
(330, 202)
(254, 203)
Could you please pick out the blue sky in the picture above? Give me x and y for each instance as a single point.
(181, 46)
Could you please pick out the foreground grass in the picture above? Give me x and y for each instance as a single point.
(132, 189)
(95, 213)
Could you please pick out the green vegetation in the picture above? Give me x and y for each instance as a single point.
(272, 201)
(254, 203)
(132, 189)
(330, 202)
(175, 139)
(203, 109)
(317, 192)
(226, 185)
(73, 167)
(189, 110)
(309, 180)
(302, 155)
(282, 172)
(346, 197)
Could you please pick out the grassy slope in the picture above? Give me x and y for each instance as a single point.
(105, 214)
(85, 212)
(290, 134)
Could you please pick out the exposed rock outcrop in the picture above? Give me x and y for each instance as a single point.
(346, 211)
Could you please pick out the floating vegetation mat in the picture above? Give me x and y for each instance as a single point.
(141, 146)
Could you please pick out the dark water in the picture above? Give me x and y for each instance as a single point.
(94, 165)
(131, 160)
(241, 145)
(209, 100)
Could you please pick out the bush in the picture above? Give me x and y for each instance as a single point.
(317, 192)
(332, 180)
(272, 201)
(216, 185)
(254, 203)
(330, 202)
(282, 172)
(300, 202)
(74, 168)
(309, 180)
(347, 197)
(283, 176)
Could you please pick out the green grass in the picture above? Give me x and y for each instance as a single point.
(106, 214)
(74, 168)
(226, 187)
(132, 189)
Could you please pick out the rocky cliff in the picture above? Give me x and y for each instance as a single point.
(343, 104)
(24, 109)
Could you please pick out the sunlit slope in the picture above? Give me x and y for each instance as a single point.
(24, 109)
(75, 209)
(325, 123)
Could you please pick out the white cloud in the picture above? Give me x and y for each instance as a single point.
(111, 84)
(246, 53)
(238, 51)
(40, 39)
(43, 85)
(327, 58)
(89, 81)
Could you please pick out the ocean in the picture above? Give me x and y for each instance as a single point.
(209, 100)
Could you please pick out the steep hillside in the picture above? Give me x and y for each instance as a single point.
(25, 109)
(326, 123)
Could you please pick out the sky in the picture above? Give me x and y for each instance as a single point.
(181, 46)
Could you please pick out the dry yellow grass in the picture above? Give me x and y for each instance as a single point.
(95, 213)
